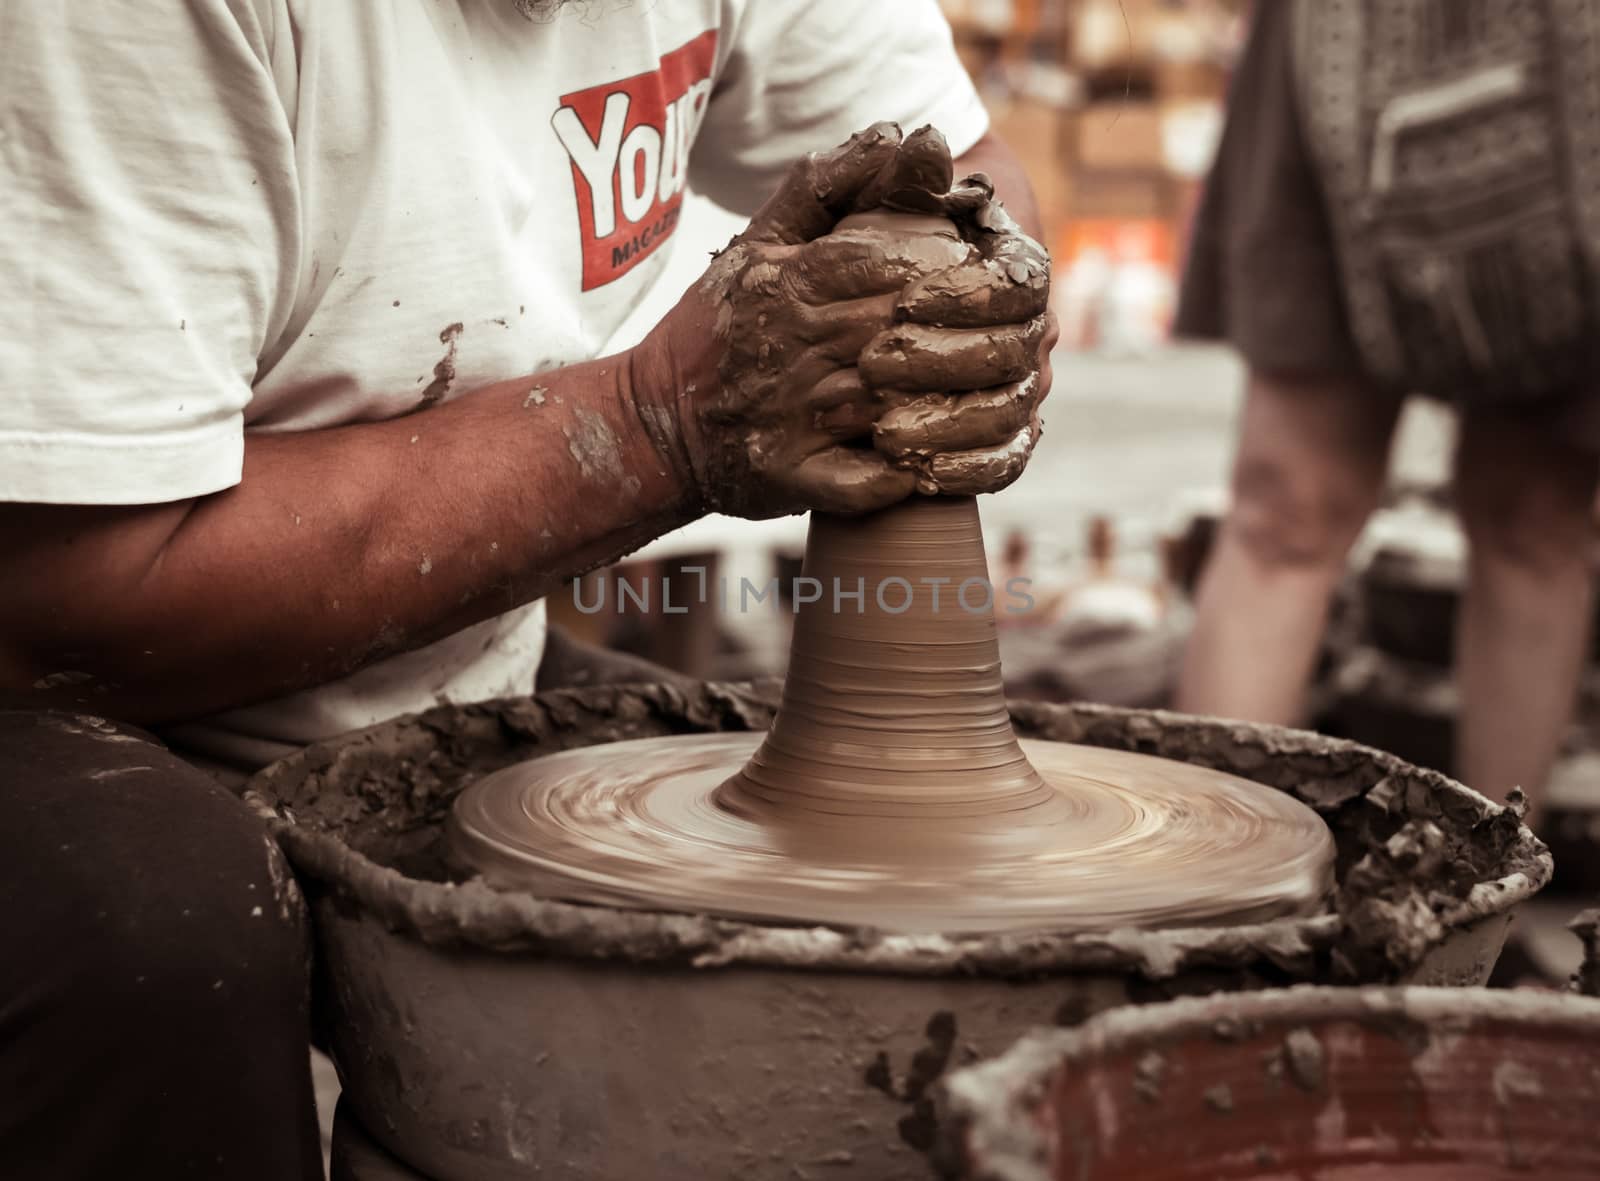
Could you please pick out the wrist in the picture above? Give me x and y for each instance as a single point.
(657, 398)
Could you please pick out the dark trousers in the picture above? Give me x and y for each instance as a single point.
(153, 969)
(154, 956)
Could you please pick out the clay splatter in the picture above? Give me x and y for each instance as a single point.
(1220, 1098)
(1075, 1010)
(1272, 1063)
(920, 1128)
(88, 726)
(113, 772)
(878, 1076)
(593, 444)
(1231, 1029)
(1586, 926)
(1307, 1063)
(285, 891)
(425, 567)
(63, 680)
(659, 425)
(1513, 1080)
(1148, 1076)
(929, 1062)
(445, 371)
(535, 397)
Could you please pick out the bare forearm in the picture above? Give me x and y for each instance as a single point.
(993, 155)
(337, 548)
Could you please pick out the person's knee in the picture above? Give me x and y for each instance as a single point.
(156, 1011)
(1294, 516)
(157, 900)
(1313, 452)
(1534, 517)
(169, 956)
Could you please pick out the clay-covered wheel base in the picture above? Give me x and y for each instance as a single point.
(1126, 841)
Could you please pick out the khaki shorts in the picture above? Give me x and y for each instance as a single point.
(1262, 272)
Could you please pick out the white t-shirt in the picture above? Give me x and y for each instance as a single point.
(224, 216)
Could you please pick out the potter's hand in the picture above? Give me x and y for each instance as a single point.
(750, 384)
(969, 365)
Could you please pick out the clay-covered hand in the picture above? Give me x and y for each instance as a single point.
(750, 383)
(968, 365)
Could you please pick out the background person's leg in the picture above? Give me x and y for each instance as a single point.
(153, 984)
(1526, 500)
(1312, 458)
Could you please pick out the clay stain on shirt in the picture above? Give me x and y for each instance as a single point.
(445, 371)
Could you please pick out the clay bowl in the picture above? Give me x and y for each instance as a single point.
(1408, 1084)
(484, 1035)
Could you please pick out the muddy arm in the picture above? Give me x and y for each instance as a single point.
(337, 548)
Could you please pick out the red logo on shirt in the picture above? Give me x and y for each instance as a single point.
(629, 142)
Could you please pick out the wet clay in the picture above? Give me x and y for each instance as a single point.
(638, 824)
(891, 790)
(881, 326)
(364, 818)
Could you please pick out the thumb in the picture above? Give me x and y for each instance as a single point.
(824, 186)
(918, 179)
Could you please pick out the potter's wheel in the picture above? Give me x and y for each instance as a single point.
(891, 791)
(1119, 840)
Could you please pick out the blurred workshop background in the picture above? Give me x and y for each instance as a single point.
(1117, 107)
